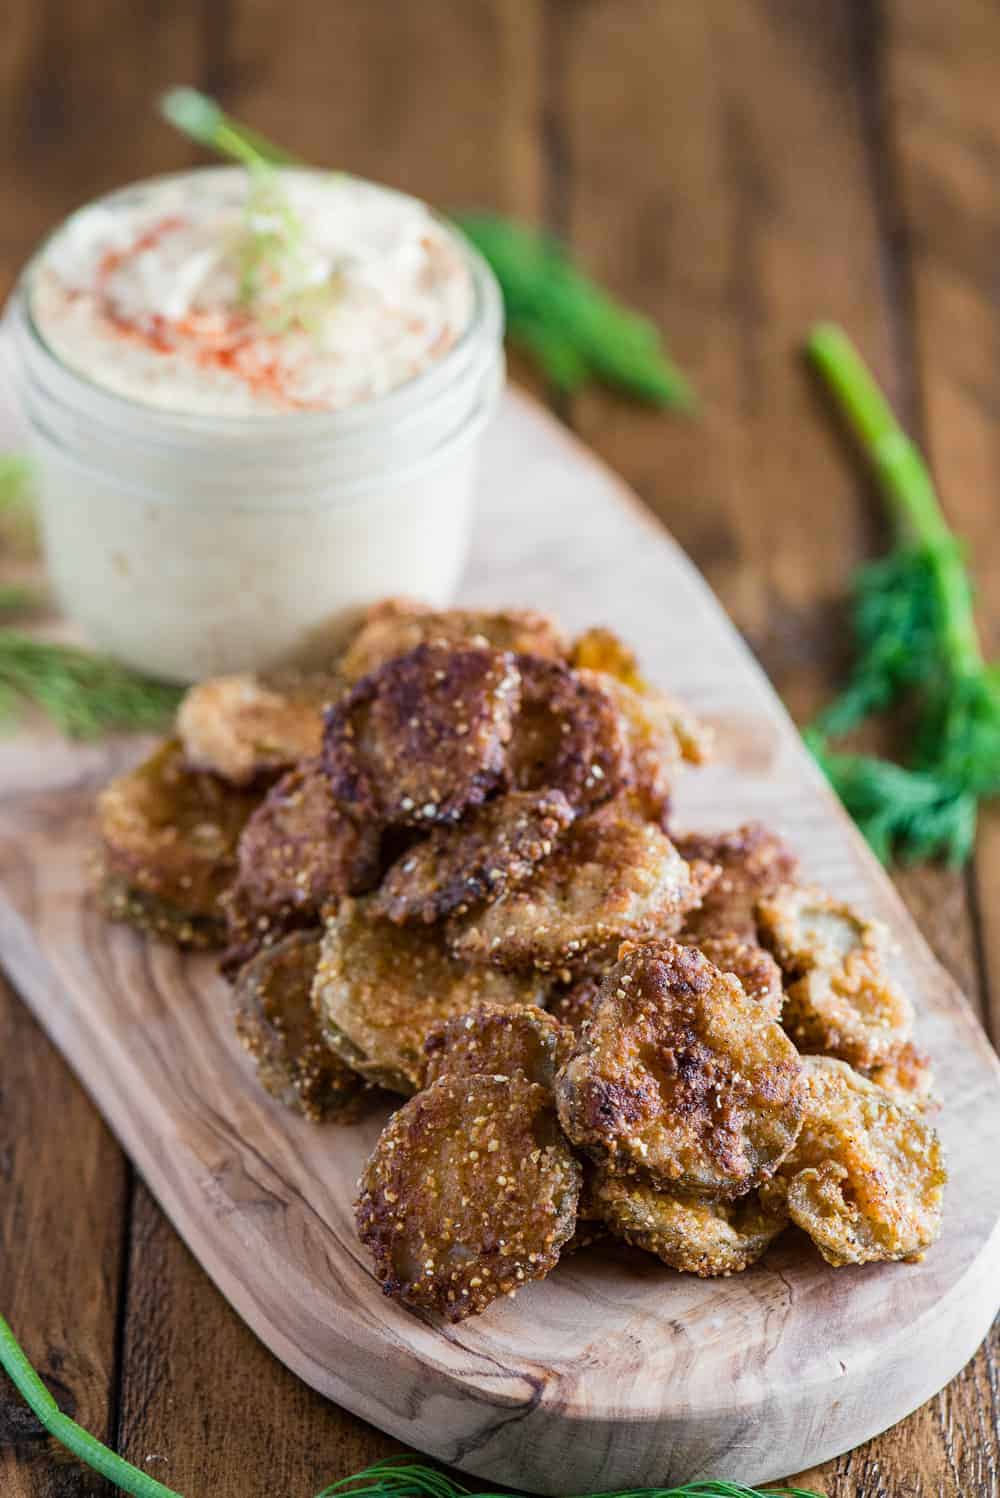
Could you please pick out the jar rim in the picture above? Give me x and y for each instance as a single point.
(487, 319)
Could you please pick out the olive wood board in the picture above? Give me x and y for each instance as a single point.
(615, 1372)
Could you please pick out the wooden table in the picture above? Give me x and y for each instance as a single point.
(737, 168)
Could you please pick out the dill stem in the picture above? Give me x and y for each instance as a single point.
(906, 483)
(201, 119)
(80, 1442)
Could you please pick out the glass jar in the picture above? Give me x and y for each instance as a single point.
(194, 545)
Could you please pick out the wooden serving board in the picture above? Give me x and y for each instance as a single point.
(615, 1372)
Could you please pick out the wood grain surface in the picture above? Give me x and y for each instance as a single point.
(736, 167)
(614, 1372)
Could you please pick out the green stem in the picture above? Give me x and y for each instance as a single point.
(200, 118)
(80, 1442)
(905, 481)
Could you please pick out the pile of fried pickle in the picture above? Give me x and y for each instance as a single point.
(446, 868)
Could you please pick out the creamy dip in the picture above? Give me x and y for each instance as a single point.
(307, 362)
(223, 293)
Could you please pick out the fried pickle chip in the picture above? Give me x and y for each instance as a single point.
(491, 1039)
(756, 969)
(613, 876)
(493, 848)
(168, 846)
(381, 989)
(754, 862)
(866, 1177)
(471, 1192)
(908, 1077)
(699, 1237)
(278, 1027)
(397, 626)
(425, 736)
(682, 1078)
(842, 1002)
(299, 853)
(568, 736)
(241, 727)
(601, 650)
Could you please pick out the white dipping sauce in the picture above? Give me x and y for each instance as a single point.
(256, 410)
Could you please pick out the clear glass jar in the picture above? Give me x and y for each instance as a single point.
(194, 545)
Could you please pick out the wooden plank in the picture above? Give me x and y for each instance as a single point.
(726, 174)
(945, 139)
(78, 89)
(63, 1205)
(544, 1392)
(441, 100)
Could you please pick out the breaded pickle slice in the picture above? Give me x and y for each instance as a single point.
(493, 848)
(842, 1002)
(501, 1041)
(425, 736)
(278, 1027)
(866, 1177)
(168, 846)
(613, 876)
(397, 626)
(700, 1237)
(381, 989)
(681, 1078)
(568, 735)
(754, 862)
(471, 1192)
(908, 1077)
(299, 853)
(756, 969)
(244, 726)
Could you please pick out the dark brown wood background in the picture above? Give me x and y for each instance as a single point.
(736, 168)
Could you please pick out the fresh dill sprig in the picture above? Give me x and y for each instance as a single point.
(84, 694)
(574, 329)
(916, 637)
(399, 1477)
(275, 277)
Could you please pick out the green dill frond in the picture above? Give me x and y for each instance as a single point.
(912, 815)
(84, 694)
(18, 522)
(573, 327)
(404, 1477)
(895, 619)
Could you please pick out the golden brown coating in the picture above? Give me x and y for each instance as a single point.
(681, 1077)
(575, 1003)
(381, 989)
(806, 928)
(299, 853)
(425, 736)
(866, 1177)
(688, 1233)
(397, 626)
(908, 1077)
(754, 862)
(842, 1001)
(241, 727)
(494, 847)
(568, 736)
(470, 1192)
(490, 1039)
(278, 1027)
(168, 846)
(612, 876)
(756, 969)
(601, 650)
